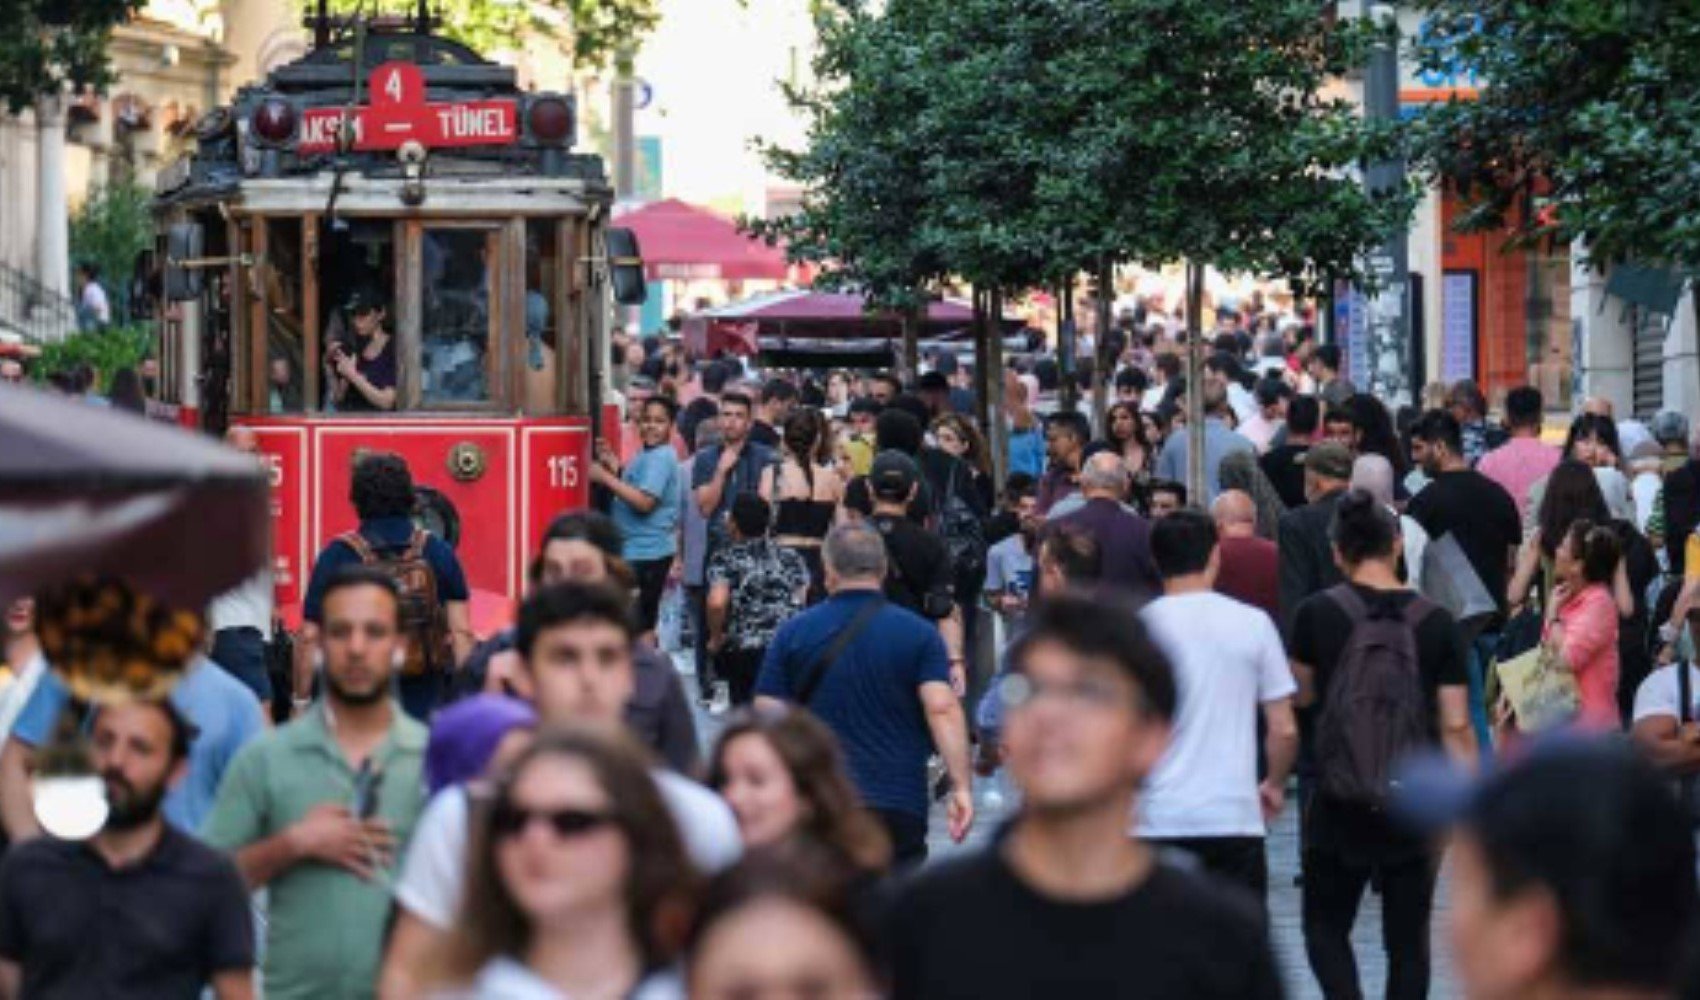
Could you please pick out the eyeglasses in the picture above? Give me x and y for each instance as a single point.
(509, 820)
(1019, 691)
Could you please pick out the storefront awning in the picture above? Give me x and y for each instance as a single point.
(1653, 288)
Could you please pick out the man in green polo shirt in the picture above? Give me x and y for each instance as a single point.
(318, 810)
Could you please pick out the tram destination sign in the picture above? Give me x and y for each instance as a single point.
(399, 113)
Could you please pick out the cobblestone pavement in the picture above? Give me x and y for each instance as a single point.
(995, 801)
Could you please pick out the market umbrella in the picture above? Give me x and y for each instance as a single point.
(683, 242)
(772, 321)
(87, 491)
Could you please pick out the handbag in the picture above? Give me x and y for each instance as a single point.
(1542, 692)
(1451, 582)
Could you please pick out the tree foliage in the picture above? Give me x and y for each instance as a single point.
(1011, 143)
(51, 45)
(110, 228)
(596, 30)
(1586, 124)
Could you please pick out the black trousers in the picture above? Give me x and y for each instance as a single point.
(1238, 859)
(1333, 888)
(652, 582)
(908, 833)
(738, 668)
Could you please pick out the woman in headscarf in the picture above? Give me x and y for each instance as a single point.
(1239, 471)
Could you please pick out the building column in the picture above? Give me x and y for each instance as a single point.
(1682, 358)
(53, 222)
(1605, 351)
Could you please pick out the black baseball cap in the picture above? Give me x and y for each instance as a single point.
(893, 475)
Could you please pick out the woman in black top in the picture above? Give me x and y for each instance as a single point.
(805, 489)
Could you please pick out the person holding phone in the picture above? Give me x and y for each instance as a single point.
(364, 373)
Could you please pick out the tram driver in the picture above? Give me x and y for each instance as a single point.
(363, 372)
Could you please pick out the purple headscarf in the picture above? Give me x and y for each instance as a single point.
(465, 735)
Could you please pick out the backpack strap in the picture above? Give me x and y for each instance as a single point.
(416, 544)
(1350, 601)
(356, 541)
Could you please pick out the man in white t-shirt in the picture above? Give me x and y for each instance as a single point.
(1667, 735)
(574, 642)
(1204, 798)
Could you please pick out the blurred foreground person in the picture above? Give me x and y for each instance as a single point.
(576, 866)
(781, 925)
(783, 775)
(1573, 877)
(1066, 904)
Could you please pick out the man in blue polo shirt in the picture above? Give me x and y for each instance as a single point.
(879, 677)
(382, 494)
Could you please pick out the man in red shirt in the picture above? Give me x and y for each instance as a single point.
(1248, 570)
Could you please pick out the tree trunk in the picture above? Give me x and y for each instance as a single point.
(1068, 340)
(982, 360)
(997, 426)
(1195, 385)
(912, 319)
(1102, 361)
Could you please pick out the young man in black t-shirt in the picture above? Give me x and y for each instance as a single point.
(1475, 510)
(1066, 904)
(1346, 843)
(921, 577)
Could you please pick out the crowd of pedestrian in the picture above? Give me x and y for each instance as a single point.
(1390, 623)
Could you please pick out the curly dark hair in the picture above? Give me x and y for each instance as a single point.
(382, 486)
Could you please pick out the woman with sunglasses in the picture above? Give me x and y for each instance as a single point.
(580, 882)
(783, 775)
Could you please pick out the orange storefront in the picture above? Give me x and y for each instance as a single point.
(1518, 304)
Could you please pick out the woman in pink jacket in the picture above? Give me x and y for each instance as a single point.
(1582, 617)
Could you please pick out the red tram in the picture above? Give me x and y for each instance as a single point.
(394, 188)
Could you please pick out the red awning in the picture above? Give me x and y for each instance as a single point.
(684, 242)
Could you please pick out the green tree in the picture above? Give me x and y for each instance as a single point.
(113, 226)
(1585, 125)
(49, 45)
(1013, 143)
(596, 30)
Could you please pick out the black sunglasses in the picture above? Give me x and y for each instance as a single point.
(509, 820)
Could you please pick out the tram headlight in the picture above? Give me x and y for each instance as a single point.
(274, 121)
(549, 119)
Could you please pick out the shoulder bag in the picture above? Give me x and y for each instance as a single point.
(816, 671)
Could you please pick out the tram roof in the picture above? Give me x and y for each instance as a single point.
(232, 162)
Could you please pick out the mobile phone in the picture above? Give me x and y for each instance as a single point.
(366, 782)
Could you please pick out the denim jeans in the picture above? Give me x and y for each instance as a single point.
(1481, 655)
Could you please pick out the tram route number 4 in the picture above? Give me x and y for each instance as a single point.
(399, 113)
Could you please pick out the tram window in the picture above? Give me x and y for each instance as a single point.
(357, 281)
(278, 281)
(542, 291)
(455, 320)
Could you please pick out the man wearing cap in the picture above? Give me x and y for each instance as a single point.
(1306, 555)
(920, 576)
(364, 374)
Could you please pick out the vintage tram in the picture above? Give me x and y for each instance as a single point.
(394, 188)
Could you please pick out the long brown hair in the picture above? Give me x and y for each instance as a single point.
(979, 455)
(810, 753)
(660, 885)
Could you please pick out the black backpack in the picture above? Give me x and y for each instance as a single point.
(961, 528)
(1375, 713)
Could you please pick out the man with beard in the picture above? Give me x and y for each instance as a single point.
(318, 810)
(140, 910)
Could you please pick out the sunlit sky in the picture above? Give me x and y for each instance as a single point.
(712, 66)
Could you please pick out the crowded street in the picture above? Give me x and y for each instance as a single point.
(753, 499)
